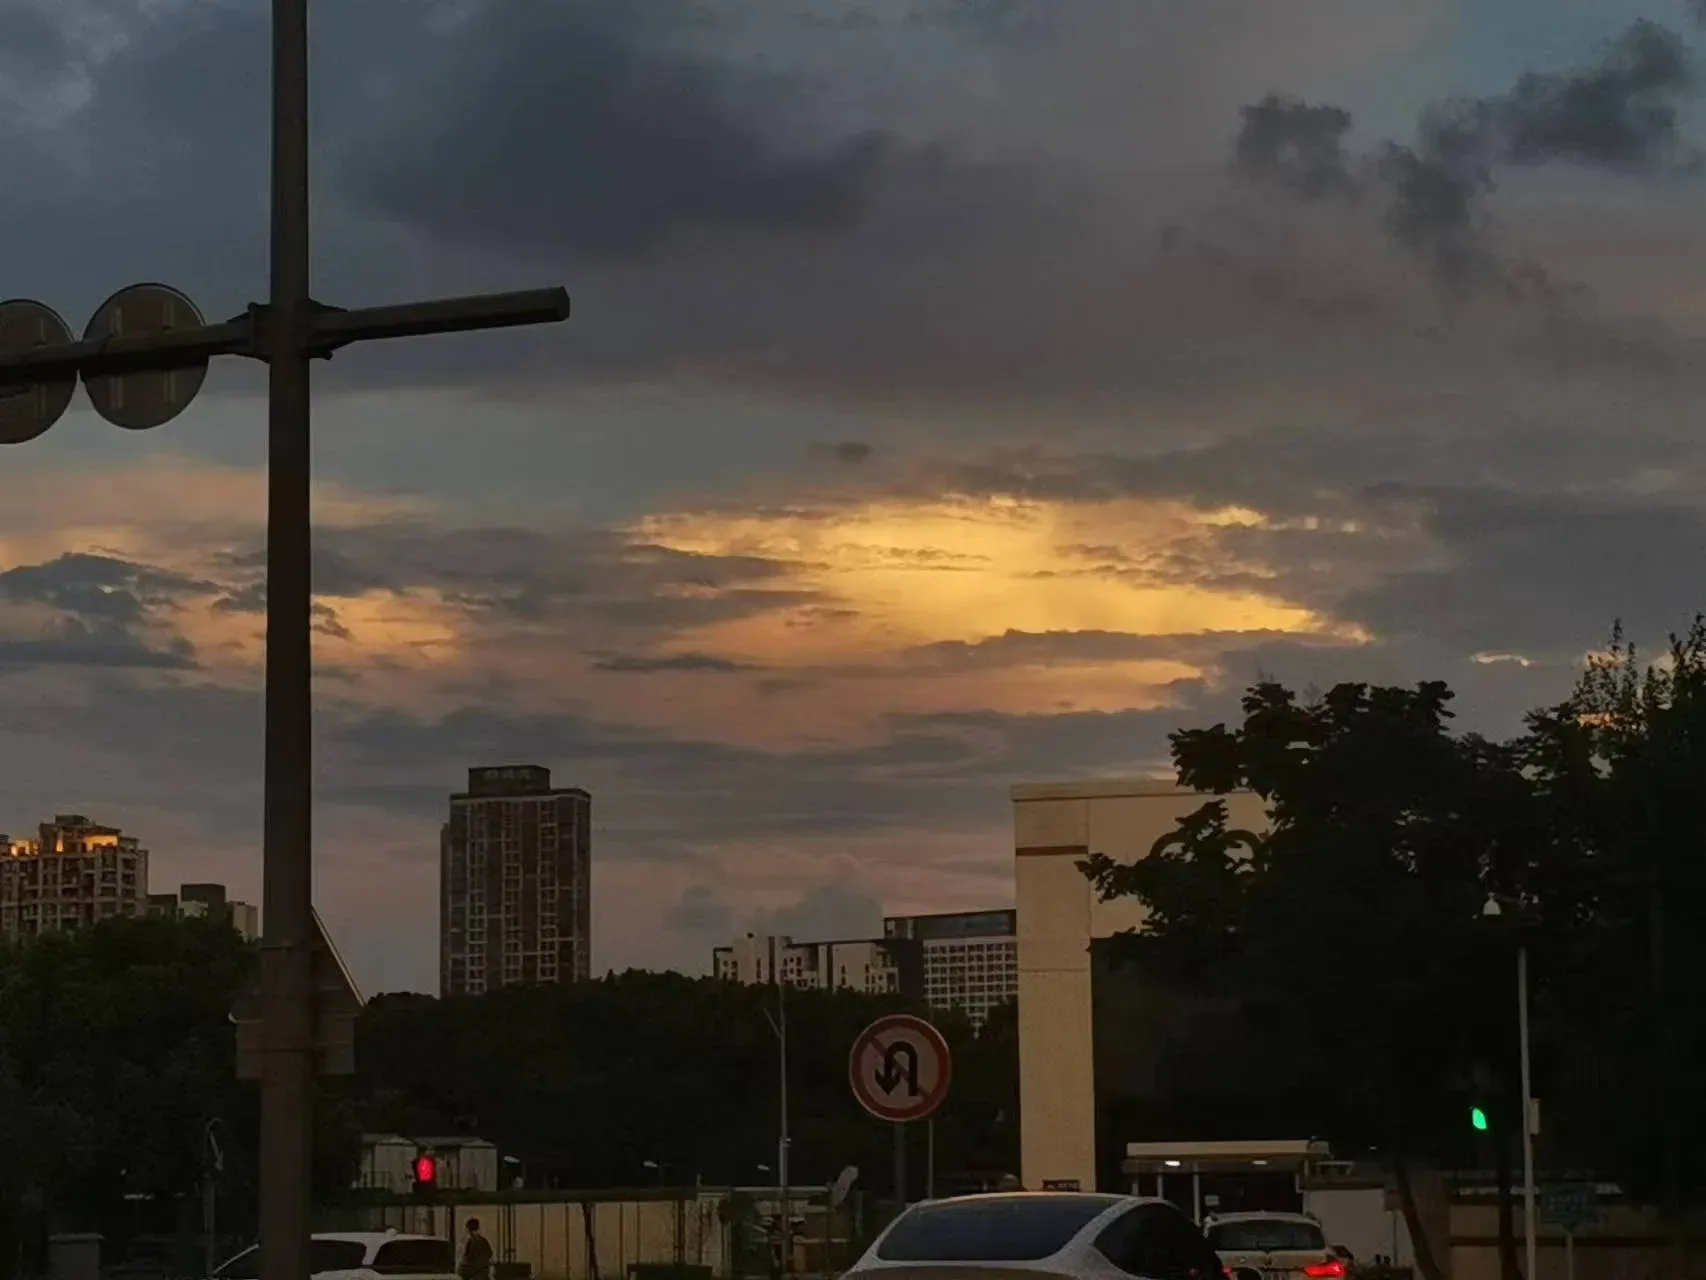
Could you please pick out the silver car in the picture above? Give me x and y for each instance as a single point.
(1038, 1235)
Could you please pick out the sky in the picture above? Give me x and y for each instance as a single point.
(959, 392)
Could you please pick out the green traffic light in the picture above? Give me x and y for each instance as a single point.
(1478, 1119)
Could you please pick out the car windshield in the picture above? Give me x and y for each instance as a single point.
(416, 1258)
(1266, 1235)
(1005, 1230)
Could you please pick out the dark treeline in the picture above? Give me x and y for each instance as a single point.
(586, 1083)
(117, 1056)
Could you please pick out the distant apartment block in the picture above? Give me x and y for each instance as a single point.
(861, 965)
(72, 873)
(966, 961)
(969, 959)
(208, 901)
(515, 882)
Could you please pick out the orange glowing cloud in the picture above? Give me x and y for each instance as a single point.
(901, 576)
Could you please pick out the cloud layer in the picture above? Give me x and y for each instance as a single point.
(960, 392)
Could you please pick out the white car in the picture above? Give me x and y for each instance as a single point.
(1032, 1235)
(1281, 1246)
(359, 1255)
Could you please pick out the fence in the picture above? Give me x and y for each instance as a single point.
(580, 1239)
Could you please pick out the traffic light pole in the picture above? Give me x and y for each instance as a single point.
(288, 333)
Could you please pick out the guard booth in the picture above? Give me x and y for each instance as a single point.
(1225, 1177)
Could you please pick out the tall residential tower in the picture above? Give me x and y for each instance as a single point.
(75, 873)
(515, 883)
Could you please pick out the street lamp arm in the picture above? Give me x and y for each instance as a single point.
(102, 357)
(335, 327)
(248, 335)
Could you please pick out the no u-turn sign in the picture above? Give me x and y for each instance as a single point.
(900, 1068)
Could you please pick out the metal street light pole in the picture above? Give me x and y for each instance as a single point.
(288, 333)
(1493, 909)
(1528, 1210)
(779, 1024)
(287, 873)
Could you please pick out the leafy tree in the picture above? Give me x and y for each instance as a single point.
(1622, 762)
(116, 1052)
(1351, 930)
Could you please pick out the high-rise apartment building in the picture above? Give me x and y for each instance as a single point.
(515, 882)
(963, 960)
(74, 873)
(969, 959)
(208, 901)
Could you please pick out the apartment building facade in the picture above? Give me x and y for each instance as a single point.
(857, 965)
(208, 901)
(515, 882)
(969, 960)
(73, 873)
(964, 961)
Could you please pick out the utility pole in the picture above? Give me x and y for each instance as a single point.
(1529, 1224)
(36, 376)
(779, 1024)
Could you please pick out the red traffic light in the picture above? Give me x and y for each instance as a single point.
(426, 1170)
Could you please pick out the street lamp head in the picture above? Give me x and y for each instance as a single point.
(648, 1164)
(1491, 908)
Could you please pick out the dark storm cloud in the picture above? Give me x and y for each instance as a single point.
(72, 643)
(531, 575)
(1295, 145)
(30, 40)
(100, 588)
(658, 790)
(1620, 114)
(101, 609)
(1545, 575)
(591, 128)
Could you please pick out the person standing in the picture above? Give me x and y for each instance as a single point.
(476, 1261)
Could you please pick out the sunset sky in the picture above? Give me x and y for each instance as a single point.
(959, 392)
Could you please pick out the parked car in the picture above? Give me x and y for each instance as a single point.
(1038, 1235)
(359, 1255)
(1278, 1246)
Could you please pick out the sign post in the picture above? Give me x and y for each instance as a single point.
(1570, 1206)
(899, 1070)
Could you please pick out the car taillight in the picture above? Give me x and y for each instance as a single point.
(1334, 1270)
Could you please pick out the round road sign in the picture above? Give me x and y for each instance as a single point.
(138, 401)
(900, 1068)
(28, 410)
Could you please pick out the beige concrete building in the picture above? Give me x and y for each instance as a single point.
(1055, 826)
